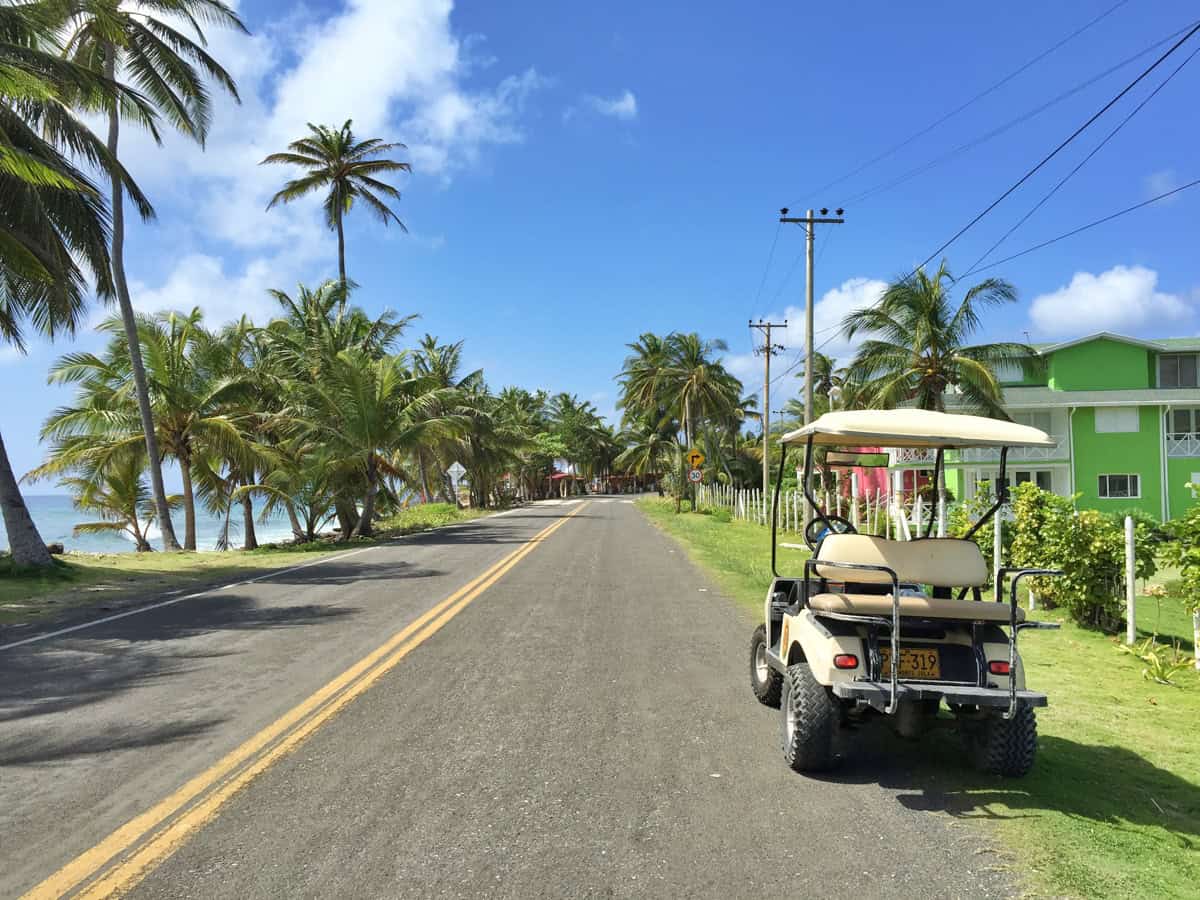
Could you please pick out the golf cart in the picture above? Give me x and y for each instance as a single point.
(885, 628)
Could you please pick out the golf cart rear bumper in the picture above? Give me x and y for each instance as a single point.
(877, 694)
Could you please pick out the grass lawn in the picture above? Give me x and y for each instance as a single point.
(87, 579)
(1112, 808)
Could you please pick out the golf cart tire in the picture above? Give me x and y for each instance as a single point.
(808, 743)
(767, 688)
(1005, 746)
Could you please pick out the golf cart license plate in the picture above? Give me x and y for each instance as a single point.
(923, 664)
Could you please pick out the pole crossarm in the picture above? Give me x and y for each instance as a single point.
(768, 349)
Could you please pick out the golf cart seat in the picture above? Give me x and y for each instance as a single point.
(938, 562)
(911, 605)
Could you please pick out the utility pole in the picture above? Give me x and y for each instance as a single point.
(768, 350)
(810, 222)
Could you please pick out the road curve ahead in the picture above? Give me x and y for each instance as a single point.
(548, 703)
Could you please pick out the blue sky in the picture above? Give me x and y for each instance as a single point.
(586, 172)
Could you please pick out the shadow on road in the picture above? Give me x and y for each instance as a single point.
(97, 663)
(1112, 787)
(48, 747)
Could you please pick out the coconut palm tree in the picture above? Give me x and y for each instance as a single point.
(54, 226)
(918, 345)
(146, 43)
(118, 494)
(364, 410)
(349, 169)
(197, 403)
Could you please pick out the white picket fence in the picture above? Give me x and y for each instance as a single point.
(750, 505)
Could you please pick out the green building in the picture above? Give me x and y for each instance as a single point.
(1126, 416)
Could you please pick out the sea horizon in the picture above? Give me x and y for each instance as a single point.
(56, 517)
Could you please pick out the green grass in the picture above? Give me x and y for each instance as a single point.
(1112, 808)
(86, 579)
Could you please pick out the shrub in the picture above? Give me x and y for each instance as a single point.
(963, 515)
(1088, 546)
(1184, 552)
(722, 514)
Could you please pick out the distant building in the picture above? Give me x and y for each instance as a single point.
(1125, 413)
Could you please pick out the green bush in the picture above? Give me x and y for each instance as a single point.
(1144, 522)
(962, 516)
(1184, 551)
(722, 514)
(1089, 547)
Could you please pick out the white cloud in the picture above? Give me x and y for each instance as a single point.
(1161, 182)
(201, 280)
(624, 106)
(395, 67)
(1125, 298)
(851, 295)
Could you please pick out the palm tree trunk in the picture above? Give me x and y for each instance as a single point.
(341, 233)
(249, 538)
(24, 542)
(170, 542)
(298, 532)
(189, 501)
(424, 477)
(365, 527)
(347, 515)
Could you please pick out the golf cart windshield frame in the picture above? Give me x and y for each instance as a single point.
(821, 513)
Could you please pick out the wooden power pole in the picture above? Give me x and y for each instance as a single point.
(768, 350)
(809, 222)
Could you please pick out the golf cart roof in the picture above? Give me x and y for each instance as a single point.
(916, 428)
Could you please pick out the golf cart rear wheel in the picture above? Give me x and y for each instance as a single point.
(1002, 746)
(766, 683)
(809, 721)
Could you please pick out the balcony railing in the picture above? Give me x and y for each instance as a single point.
(1016, 454)
(910, 456)
(1183, 445)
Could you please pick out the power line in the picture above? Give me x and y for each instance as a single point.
(885, 186)
(1053, 153)
(1054, 190)
(767, 268)
(1089, 225)
(1042, 246)
(954, 112)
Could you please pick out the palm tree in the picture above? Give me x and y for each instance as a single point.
(917, 345)
(440, 363)
(196, 402)
(366, 409)
(334, 159)
(139, 41)
(118, 494)
(829, 382)
(54, 227)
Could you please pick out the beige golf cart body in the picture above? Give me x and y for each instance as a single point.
(897, 626)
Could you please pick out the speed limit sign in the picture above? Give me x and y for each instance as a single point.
(695, 476)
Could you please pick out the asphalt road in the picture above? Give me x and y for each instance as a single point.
(576, 724)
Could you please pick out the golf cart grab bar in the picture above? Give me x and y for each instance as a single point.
(809, 569)
(1017, 575)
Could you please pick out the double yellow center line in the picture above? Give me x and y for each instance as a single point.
(186, 810)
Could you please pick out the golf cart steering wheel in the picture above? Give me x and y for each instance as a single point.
(817, 529)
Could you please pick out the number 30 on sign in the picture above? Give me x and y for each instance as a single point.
(695, 476)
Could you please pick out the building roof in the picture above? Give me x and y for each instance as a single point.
(917, 428)
(1177, 344)
(1043, 397)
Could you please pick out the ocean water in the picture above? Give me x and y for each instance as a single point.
(55, 518)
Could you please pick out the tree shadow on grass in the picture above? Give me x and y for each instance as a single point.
(1109, 787)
